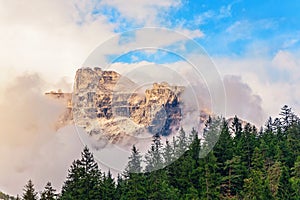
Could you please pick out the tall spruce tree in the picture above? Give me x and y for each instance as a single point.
(135, 162)
(84, 179)
(29, 192)
(154, 158)
(285, 189)
(295, 179)
(108, 187)
(48, 193)
(135, 180)
(209, 179)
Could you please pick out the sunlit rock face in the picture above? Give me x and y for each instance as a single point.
(108, 104)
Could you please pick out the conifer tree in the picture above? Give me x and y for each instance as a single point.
(181, 143)
(84, 179)
(295, 179)
(153, 158)
(209, 180)
(135, 182)
(29, 192)
(134, 163)
(273, 176)
(285, 188)
(168, 153)
(232, 183)
(108, 188)
(48, 193)
(223, 149)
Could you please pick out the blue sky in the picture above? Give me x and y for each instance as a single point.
(229, 27)
(258, 41)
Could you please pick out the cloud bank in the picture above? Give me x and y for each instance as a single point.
(29, 146)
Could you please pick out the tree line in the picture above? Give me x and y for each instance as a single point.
(244, 163)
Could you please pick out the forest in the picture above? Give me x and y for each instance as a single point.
(244, 163)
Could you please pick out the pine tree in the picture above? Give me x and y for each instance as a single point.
(135, 183)
(168, 153)
(158, 187)
(209, 180)
(181, 143)
(285, 188)
(108, 190)
(253, 187)
(120, 188)
(269, 125)
(153, 158)
(29, 192)
(84, 179)
(286, 117)
(236, 127)
(273, 177)
(211, 135)
(295, 179)
(134, 163)
(233, 182)
(223, 149)
(48, 193)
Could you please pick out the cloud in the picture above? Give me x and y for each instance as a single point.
(225, 11)
(143, 12)
(249, 105)
(51, 37)
(204, 17)
(285, 60)
(246, 29)
(191, 33)
(29, 146)
(240, 30)
(275, 86)
(145, 39)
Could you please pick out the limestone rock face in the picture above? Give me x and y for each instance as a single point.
(108, 104)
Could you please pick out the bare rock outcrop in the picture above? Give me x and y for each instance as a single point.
(106, 103)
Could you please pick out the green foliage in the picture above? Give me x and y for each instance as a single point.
(295, 179)
(230, 161)
(48, 193)
(84, 179)
(7, 197)
(29, 192)
(108, 187)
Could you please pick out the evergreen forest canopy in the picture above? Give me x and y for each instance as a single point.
(245, 163)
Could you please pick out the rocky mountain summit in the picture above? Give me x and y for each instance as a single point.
(107, 104)
(112, 108)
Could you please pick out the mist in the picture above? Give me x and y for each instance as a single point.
(30, 148)
(241, 101)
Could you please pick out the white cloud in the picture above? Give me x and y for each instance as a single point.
(240, 30)
(225, 11)
(46, 36)
(191, 33)
(249, 105)
(260, 75)
(145, 39)
(143, 12)
(244, 29)
(285, 60)
(203, 18)
(29, 146)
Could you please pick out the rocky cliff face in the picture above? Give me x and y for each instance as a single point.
(111, 107)
(107, 104)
